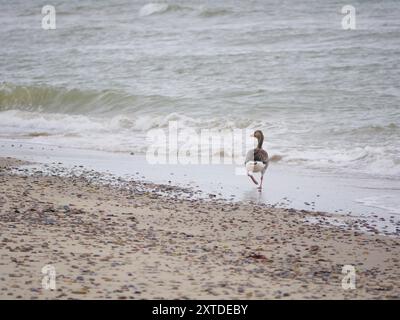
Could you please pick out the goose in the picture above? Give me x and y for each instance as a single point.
(257, 159)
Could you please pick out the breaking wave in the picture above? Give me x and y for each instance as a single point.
(153, 8)
(157, 8)
(72, 101)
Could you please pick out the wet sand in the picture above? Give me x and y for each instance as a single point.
(147, 241)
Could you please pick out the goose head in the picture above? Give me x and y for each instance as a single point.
(260, 137)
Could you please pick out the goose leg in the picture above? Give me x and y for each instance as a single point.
(260, 187)
(252, 178)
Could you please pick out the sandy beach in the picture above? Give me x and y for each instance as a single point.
(148, 241)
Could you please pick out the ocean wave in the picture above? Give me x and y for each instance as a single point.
(40, 98)
(157, 8)
(374, 161)
(212, 12)
(118, 133)
(370, 129)
(154, 8)
(15, 120)
(386, 202)
(114, 134)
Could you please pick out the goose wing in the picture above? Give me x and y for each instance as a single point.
(260, 155)
(257, 155)
(249, 156)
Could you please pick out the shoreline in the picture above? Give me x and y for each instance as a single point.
(373, 200)
(133, 243)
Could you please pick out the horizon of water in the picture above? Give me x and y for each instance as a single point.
(325, 98)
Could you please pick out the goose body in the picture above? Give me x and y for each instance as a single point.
(257, 159)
